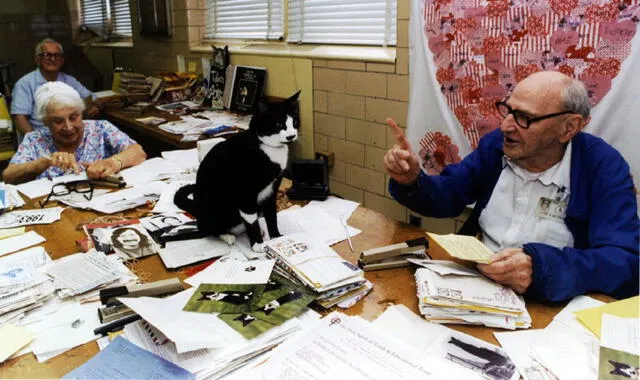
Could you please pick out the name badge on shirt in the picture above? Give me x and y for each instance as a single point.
(551, 209)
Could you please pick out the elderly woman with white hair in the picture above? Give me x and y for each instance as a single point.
(70, 144)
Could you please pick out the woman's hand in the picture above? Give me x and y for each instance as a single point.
(65, 161)
(101, 168)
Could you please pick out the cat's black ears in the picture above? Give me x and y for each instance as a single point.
(294, 97)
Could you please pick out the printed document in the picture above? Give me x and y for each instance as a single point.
(343, 347)
(234, 272)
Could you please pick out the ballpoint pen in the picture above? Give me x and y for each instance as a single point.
(346, 232)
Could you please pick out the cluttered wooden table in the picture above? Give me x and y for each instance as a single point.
(392, 286)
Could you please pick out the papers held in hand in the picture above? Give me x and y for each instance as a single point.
(463, 247)
(393, 256)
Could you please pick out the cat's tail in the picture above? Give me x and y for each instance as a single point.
(184, 199)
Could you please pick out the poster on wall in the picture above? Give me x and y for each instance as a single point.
(472, 53)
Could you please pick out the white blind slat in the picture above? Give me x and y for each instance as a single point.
(361, 22)
(107, 17)
(249, 19)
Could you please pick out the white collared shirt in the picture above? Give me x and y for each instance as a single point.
(509, 220)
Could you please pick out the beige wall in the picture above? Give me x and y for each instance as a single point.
(344, 104)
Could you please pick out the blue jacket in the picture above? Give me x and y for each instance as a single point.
(601, 215)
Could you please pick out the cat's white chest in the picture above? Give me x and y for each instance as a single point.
(277, 155)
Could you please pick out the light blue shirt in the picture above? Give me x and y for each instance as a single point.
(23, 102)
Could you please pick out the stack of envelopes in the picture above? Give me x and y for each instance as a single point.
(449, 292)
(313, 264)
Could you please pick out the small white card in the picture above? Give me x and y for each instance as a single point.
(234, 272)
(29, 217)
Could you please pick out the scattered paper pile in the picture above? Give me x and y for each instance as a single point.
(201, 342)
(449, 292)
(602, 341)
(23, 286)
(349, 347)
(83, 274)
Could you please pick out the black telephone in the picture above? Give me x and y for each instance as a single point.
(310, 180)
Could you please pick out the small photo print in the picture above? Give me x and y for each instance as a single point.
(287, 305)
(132, 242)
(618, 365)
(170, 227)
(225, 298)
(484, 358)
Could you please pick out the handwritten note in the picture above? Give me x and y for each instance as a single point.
(29, 217)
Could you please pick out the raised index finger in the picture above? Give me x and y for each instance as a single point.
(399, 134)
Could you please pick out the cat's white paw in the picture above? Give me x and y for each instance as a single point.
(258, 247)
(228, 238)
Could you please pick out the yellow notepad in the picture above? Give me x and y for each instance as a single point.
(9, 232)
(13, 338)
(592, 318)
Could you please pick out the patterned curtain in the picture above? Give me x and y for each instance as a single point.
(467, 54)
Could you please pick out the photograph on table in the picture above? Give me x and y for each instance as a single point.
(225, 298)
(617, 364)
(132, 242)
(170, 227)
(484, 358)
(287, 305)
(99, 234)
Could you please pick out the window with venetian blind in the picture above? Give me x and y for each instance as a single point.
(107, 18)
(353, 22)
(244, 19)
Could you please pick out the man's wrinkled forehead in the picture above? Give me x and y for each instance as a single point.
(50, 48)
(534, 97)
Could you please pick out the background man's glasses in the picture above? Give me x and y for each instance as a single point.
(523, 120)
(51, 56)
(83, 187)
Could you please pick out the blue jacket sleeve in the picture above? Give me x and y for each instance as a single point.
(607, 260)
(458, 185)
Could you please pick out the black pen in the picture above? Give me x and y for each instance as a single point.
(116, 325)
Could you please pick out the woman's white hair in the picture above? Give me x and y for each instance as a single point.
(55, 95)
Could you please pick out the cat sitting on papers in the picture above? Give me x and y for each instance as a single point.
(239, 178)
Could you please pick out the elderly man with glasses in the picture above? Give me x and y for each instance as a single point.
(557, 205)
(49, 58)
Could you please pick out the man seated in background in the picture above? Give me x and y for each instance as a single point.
(49, 58)
(557, 205)
(69, 144)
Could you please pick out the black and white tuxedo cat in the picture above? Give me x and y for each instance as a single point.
(239, 178)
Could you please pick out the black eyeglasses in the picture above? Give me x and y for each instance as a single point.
(51, 56)
(522, 119)
(83, 187)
